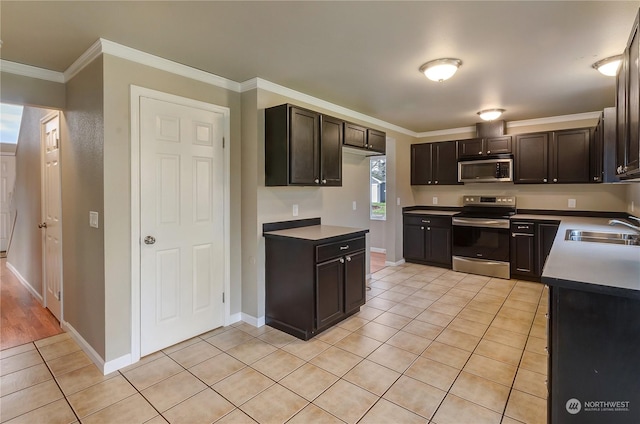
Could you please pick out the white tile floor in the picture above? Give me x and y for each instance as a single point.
(431, 345)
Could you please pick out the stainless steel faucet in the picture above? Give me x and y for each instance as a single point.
(626, 224)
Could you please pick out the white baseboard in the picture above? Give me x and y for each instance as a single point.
(400, 262)
(25, 283)
(256, 322)
(378, 250)
(105, 367)
(233, 318)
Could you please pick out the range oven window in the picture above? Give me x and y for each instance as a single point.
(481, 243)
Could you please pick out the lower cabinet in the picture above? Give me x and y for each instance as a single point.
(593, 374)
(531, 243)
(311, 285)
(427, 239)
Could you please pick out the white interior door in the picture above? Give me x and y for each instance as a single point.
(181, 223)
(7, 182)
(51, 214)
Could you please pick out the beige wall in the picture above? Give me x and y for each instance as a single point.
(119, 74)
(633, 198)
(25, 252)
(82, 191)
(377, 233)
(26, 91)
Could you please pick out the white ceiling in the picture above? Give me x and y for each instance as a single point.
(531, 58)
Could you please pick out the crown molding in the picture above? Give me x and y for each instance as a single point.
(554, 119)
(85, 59)
(31, 71)
(332, 107)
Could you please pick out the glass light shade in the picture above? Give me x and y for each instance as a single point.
(608, 66)
(440, 69)
(490, 114)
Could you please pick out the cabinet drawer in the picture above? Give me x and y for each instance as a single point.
(435, 221)
(522, 227)
(328, 251)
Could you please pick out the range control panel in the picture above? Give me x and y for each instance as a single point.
(476, 200)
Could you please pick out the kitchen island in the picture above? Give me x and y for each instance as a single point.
(315, 275)
(594, 327)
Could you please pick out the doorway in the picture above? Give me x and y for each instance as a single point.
(180, 215)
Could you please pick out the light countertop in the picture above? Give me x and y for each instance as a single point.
(597, 267)
(316, 232)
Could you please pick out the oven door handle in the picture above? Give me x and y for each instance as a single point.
(481, 222)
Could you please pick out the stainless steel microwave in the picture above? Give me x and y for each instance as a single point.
(488, 170)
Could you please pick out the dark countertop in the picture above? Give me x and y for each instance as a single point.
(430, 212)
(595, 267)
(316, 232)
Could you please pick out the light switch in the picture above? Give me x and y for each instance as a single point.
(354, 205)
(572, 203)
(398, 201)
(93, 219)
(435, 200)
(295, 210)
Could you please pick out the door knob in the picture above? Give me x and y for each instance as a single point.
(149, 240)
(43, 225)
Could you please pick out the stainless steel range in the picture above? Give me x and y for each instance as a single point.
(481, 235)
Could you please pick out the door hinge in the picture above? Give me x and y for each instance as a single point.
(222, 297)
(223, 141)
(59, 296)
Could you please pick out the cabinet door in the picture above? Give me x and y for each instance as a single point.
(329, 292)
(498, 145)
(354, 283)
(569, 162)
(622, 131)
(331, 151)
(445, 163)
(421, 164)
(545, 234)
(304, 148)
(633, 114)
(355, 135)
(413, 240)
(470, 148)
(531, 158)
(523, 254)
(596, 167)
(438, 240)
(377, 140)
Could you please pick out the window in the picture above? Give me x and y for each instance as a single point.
(378, 183)
(10, 118)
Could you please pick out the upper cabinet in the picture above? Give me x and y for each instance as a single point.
(434, 163)
(553, 157)
(628, 108)
(475, 147)
(302, 147)
(364, 138)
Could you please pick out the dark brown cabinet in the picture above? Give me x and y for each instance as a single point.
(628, 108)
(434, 163)
(554, 157)
(531, 243)
(427, 239)
(311, 284)
(302, 147)
(364, 138)
(475, 147)
(603, 148)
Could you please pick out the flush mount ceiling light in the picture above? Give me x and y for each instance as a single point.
(440, 69)
(490, 114)
(608, 66)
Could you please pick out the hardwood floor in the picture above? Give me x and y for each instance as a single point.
(23, 319)
(377, 261)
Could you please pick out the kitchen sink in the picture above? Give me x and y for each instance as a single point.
(598, 237)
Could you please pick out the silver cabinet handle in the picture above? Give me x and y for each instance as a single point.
(341, 260)
(521, 234)
(555, 180)
(436, 182)
(488, 151)
(544, 180)
(317, 181)
(149, 240)
(426, 221)
(348, 258)
(344, 247)
(429, 182)
(43, 225)
(324, 181)
(422, 228)
(428, 228)
(479, 153)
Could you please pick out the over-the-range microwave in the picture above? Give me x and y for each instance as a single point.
(486, 170)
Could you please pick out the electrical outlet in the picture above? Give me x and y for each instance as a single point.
(93, 219)
(354, 205)
(295, 210)
(572, 203)
(435, 200)
(632, 206)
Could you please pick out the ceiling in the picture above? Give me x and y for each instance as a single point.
(532, 58)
